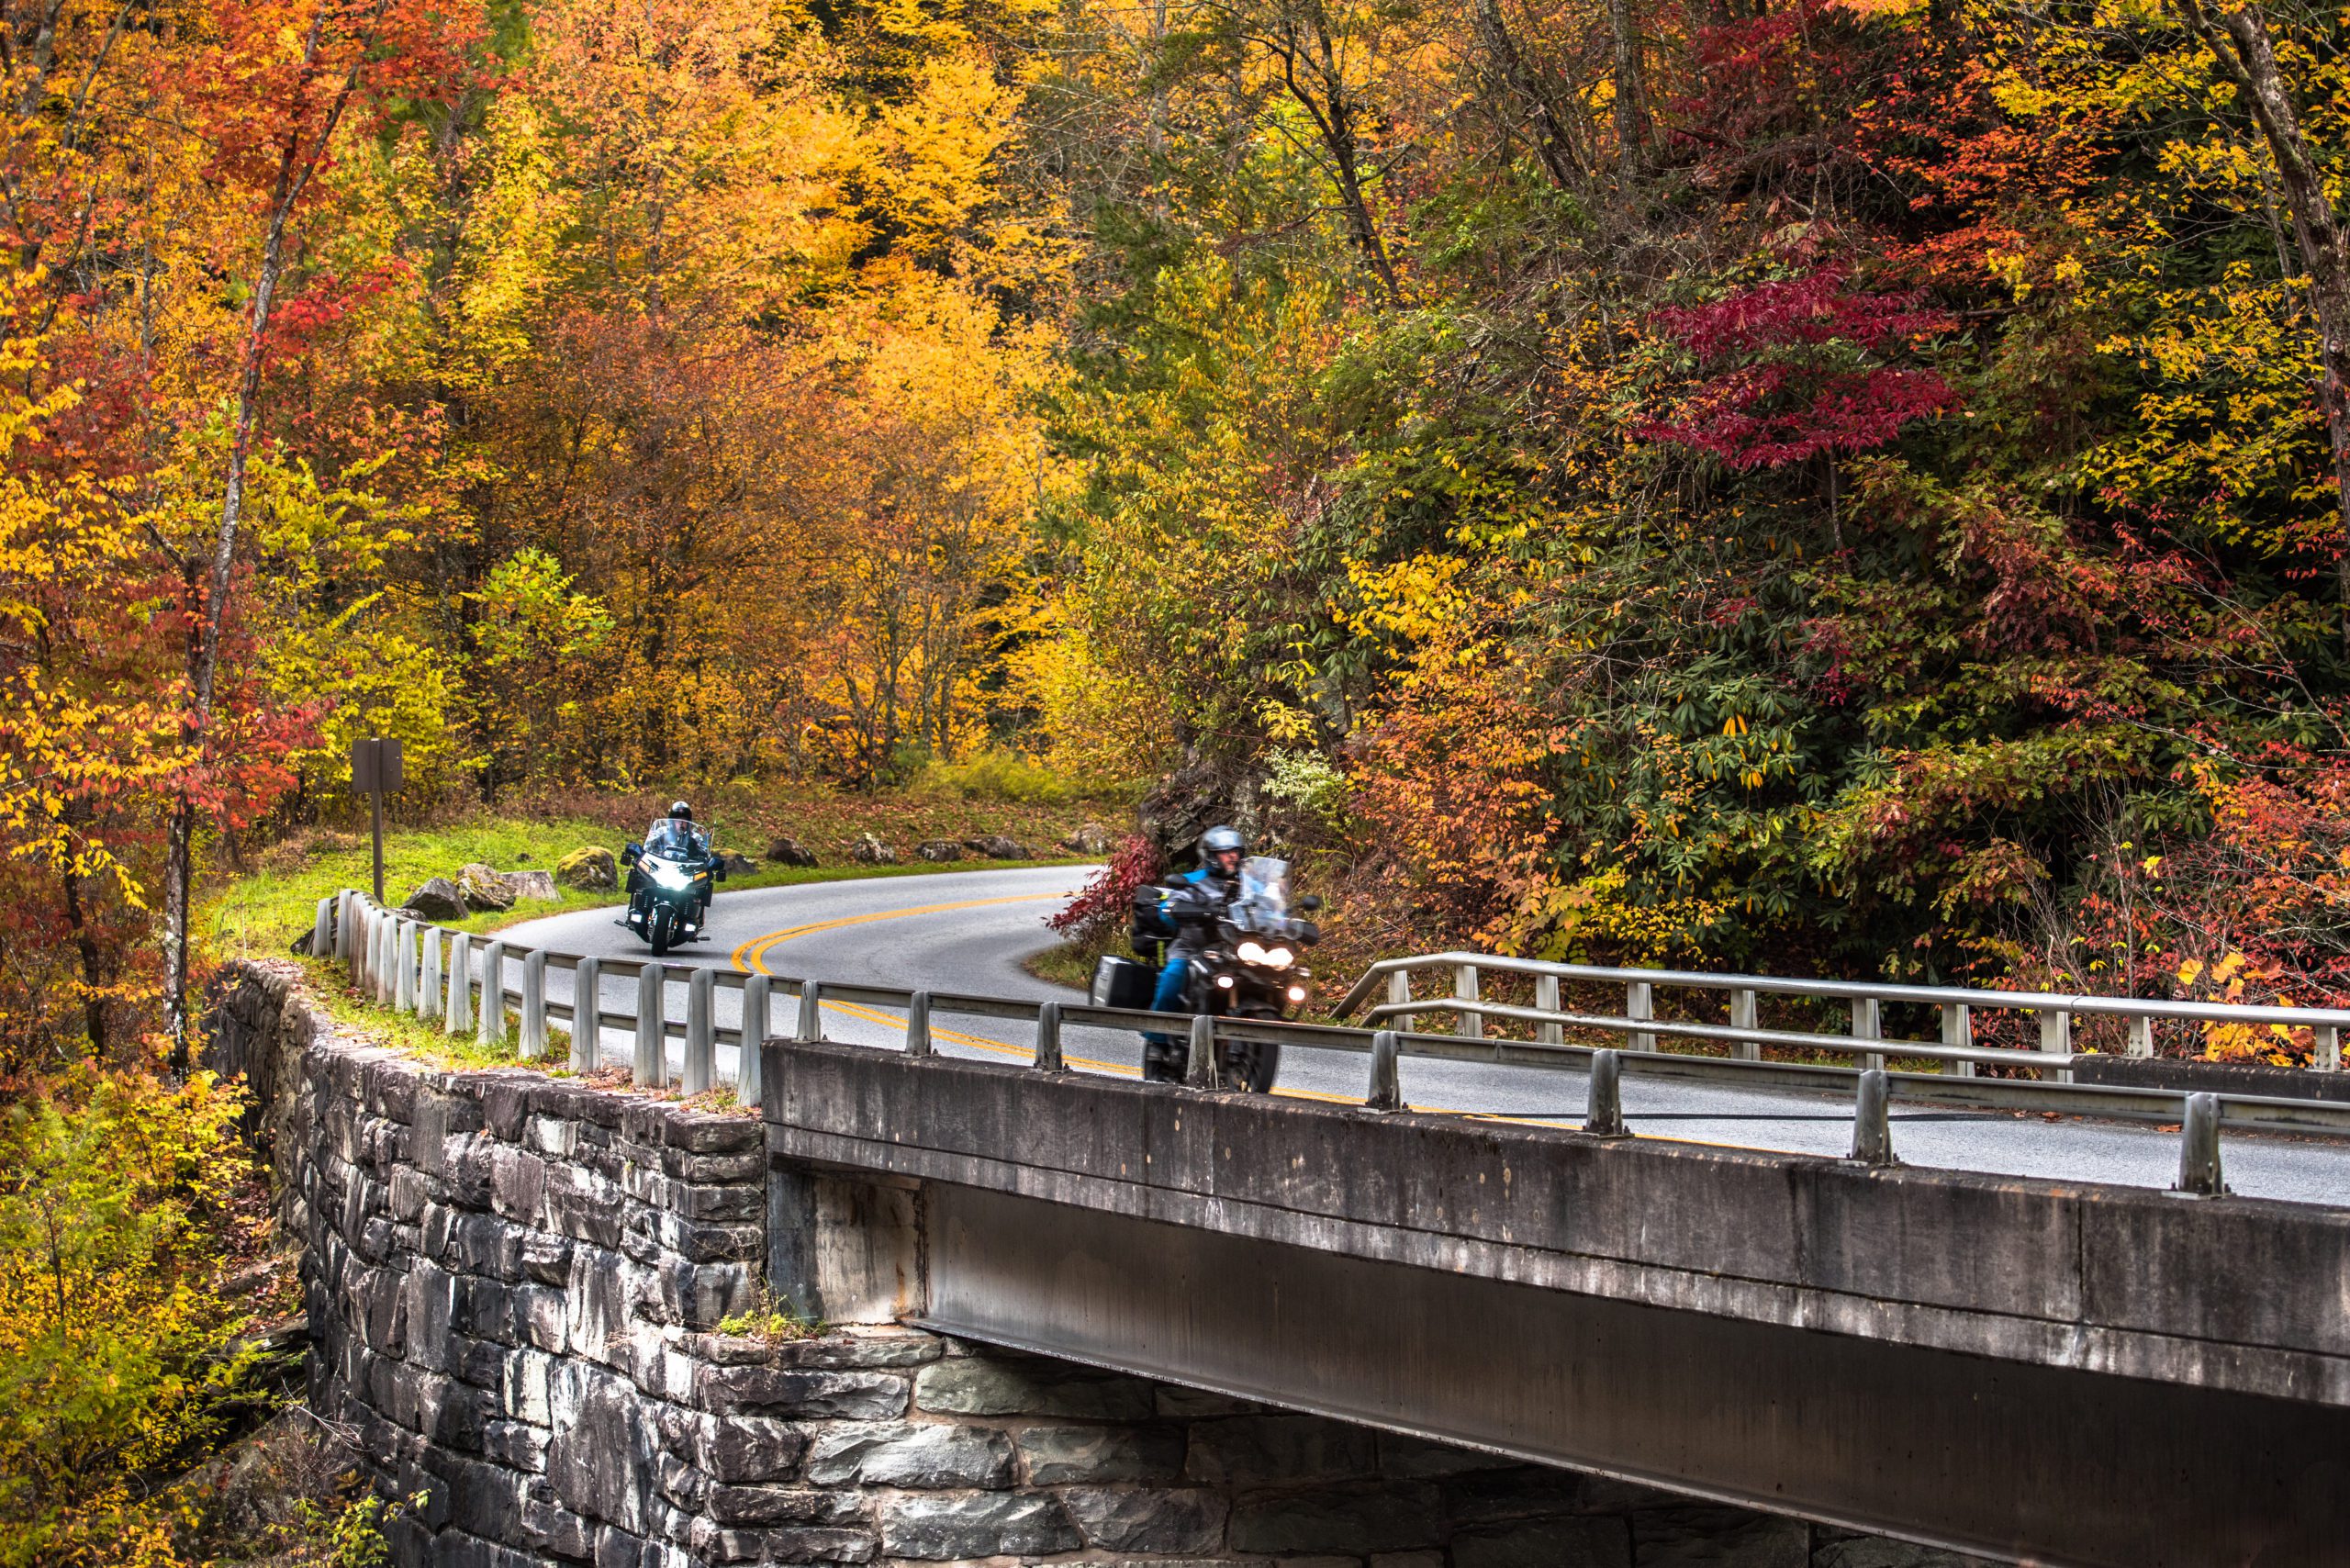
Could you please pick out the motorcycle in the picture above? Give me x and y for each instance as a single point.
(671, 878)
(1250, 967)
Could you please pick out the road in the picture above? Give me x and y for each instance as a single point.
(968, 932)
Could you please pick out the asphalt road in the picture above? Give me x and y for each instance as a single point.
(968, 932)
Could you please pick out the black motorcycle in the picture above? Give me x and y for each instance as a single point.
(1248, 967)
(671, 877)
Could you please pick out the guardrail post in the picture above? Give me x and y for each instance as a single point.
(322, 929)
(757, 989)
(918, 1040)
(1742, 1013)
(343, 924)
(587, 1015)
(1958, 1029)
(2056, 1040)
(2142, 1036)
(458, 1015)
(2325, 1048)
(650, 1063)
(404, 965)
(1640, 1002)
(1049, 1038)
(371, 960)
(2199, 1149)
(701, 1036)
(1546, 1000)
(429, 979)
(387, 972)
(1872, 1119)
(1399, 987)
(1868, 1023)
(1199, 1069)
(1468, 1026)
(533, 1042)
(492, 1026)
(1386, 1092)
(1603, 1114)
(811, 1011)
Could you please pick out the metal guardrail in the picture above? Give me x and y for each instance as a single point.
(432, 973)
(1957, 1049)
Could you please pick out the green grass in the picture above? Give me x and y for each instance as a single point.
(426, 1039)
(259, 914)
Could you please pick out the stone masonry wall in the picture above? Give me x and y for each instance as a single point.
(514, 1282)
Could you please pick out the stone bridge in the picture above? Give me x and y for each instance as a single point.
(1070, 1319)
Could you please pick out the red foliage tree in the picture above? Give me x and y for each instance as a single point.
(1797, 370)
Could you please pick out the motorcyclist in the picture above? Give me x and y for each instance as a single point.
(679, 837)
(1200, 897)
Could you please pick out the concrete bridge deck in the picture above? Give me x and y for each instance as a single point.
(2038, 1371)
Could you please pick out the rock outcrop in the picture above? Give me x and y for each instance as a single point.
(591, 869)
(940, 849)
(995, 846)
(787, 850)
(867, 850)
(437, 899)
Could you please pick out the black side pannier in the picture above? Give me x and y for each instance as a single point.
(1122, 983)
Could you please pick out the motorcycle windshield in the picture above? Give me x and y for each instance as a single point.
(1262, 905)
(674, 838)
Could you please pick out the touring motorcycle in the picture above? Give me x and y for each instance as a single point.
(670, 879)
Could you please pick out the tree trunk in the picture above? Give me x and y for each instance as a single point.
(1557, 154)
(1631, 83)
(297, 159)
(2240, 44)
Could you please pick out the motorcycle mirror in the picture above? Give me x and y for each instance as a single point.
(1310, 902)
(632, 855)
(1308, 933)
(716, 868)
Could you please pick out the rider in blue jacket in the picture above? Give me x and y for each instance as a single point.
(1222, 849)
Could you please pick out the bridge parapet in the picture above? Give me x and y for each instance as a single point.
(1745, 1325)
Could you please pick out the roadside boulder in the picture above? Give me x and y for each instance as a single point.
(591, 868)
(483, 889)
(870, 851)
(735, 865)
(1089, 838)
(940, 849)
(531, 884)
(995, 846)
(437, 899)
(789, 851)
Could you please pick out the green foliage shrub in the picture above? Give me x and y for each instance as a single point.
(116, 1341)
(1002, 776)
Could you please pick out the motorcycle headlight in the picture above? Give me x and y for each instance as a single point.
(1281, 958)
(670, 874)
(1249, 953)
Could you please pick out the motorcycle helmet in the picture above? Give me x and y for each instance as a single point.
(1220, 841)
(681, 810)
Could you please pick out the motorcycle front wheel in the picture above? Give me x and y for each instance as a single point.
(657, 929)
(1251, 1065)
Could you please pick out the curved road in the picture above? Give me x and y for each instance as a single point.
(969, 931)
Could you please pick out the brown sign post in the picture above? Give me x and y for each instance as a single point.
(376, 773)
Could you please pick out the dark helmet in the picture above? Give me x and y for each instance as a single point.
(1221, 840)
(679, 809)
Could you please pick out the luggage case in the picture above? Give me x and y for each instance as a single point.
(1122, 983)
